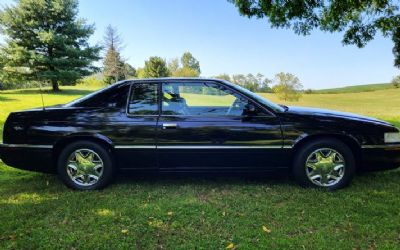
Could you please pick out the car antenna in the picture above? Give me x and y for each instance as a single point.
(41, 94)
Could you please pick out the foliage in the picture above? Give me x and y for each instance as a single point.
(185, 72)
(188, 61)
(155, 67)
(140, 73)
(45, 41)
(396, 81)
(113, 64)
(92, 81)
(173, 66)
(255, 83)
(188, 66)
(359, 20)
(308, 91)
(287, 87)
(129, 71)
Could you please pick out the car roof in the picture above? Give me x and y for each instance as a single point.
(173, 79)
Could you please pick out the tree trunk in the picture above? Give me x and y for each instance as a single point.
(54, 83)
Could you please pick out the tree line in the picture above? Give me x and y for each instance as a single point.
(46, 41)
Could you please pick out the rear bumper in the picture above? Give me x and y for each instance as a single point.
(380, 157)
(36, 158)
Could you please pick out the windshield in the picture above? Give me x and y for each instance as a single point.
(258, 98)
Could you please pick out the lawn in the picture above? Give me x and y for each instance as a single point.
(37, 211)
(356, 88)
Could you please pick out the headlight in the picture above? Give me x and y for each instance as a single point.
(392, 137)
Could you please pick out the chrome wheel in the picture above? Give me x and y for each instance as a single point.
(325, 167)
(85, 167)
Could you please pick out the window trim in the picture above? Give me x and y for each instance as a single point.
(268, 113)
(129, 99)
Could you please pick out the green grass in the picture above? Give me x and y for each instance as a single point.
(37, 211)
(356, 88)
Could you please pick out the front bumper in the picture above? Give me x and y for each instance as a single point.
(36, 158)
(380, 157)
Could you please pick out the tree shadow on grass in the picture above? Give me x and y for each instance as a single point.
(65, 92)
(6, 99)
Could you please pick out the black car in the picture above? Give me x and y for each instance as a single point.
(194, 125)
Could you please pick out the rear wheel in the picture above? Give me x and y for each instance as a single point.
(325, 163)
(85, 165)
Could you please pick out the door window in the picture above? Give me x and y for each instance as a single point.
(143, 99)
(202, 99)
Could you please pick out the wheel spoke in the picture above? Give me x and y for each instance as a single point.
(314, 177)
(95, 177)
(338, 167)
(72, 166)
(97, 168)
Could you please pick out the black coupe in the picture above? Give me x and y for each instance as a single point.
(194, 125)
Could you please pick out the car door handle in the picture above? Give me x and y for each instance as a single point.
(169, 125)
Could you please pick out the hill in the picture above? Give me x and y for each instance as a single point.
(356, 88)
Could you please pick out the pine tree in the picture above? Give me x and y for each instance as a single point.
(46, 41)
(113, 64)
(155, 67)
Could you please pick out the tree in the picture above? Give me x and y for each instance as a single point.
(257, 83)
(396, 81)
(288, 87)
(225, 77)
(46, 41)
(155, 67)
(187, 67)
(173, 66)
(359, 20)
(113, 65)
(188, 61)
(129, 71)
(185, 72)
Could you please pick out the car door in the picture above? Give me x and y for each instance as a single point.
(207, 126)
(136, 148)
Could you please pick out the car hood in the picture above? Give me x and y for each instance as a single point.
(332, 113)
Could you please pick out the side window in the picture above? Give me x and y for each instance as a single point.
(143, 99)
(202, 99)
(115, 97)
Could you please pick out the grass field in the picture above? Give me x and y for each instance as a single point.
(356, 88)
(37, 211)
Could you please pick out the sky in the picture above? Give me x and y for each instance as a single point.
(225, 42)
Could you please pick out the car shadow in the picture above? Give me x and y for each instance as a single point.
(201, 179)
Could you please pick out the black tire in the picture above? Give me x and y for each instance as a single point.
(299, 164)
(105, 156)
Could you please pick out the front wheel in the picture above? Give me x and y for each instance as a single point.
(85, 165)
(325, 163)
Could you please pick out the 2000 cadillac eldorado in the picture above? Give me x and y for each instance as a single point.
(194, 125)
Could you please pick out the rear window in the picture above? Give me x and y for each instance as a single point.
(113, 96)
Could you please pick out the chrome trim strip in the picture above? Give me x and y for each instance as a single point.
(215, 147)
(381, 146)
(195, 147)
(134, 146)
(26, 146)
